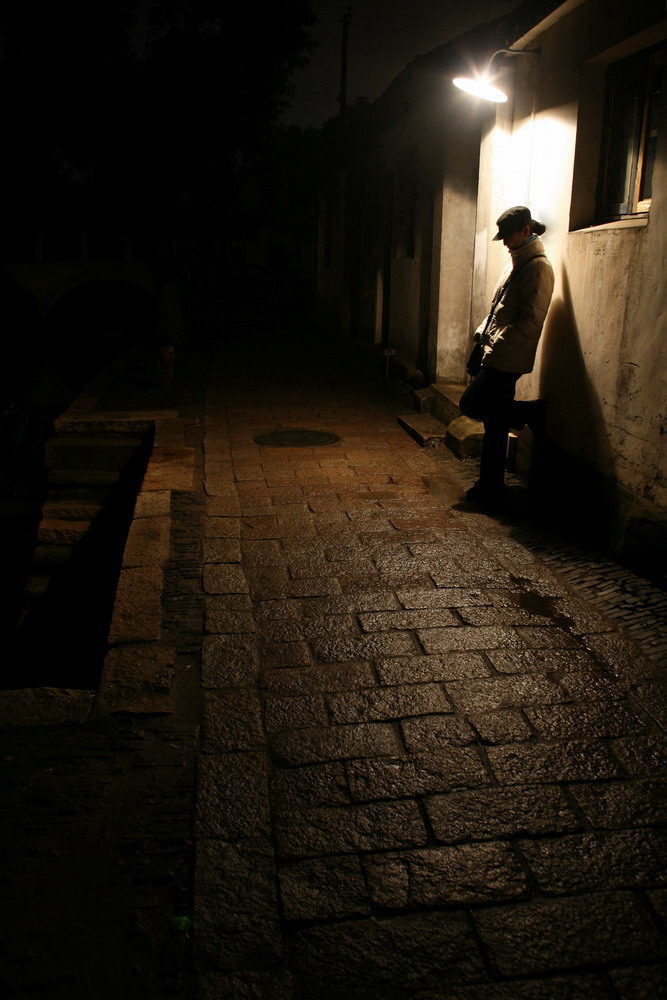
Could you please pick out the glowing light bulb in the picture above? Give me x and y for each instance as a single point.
(480, 88)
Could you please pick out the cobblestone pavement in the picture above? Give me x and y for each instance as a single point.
(95, 823)
(429, 768)
(424, 753)
(567, 543)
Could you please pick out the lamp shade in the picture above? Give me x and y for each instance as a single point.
(480, 88)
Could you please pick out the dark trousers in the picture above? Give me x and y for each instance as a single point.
(490, 398)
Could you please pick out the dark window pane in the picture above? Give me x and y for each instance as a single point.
(655, 99)
(623, 130)
(630, 133)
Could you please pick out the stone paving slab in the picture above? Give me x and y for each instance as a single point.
(488, 813)
(540, 935)
(462, 753)
(235, 904)
(137, 614)
(325, 888)
(374, 957)
(469, 873)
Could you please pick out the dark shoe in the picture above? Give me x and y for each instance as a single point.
(531, 412)
(488, 499)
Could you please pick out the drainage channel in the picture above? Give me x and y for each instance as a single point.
(58, 637)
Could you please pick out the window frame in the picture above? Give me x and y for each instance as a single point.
(646, 66)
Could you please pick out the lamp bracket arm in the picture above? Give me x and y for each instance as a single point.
(514, 52)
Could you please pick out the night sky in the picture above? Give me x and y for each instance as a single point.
(384, 36)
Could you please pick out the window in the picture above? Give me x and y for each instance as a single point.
(633, 97)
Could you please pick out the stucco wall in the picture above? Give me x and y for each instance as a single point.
(452, 293)
(602, 360)
(404, 321)
(406, 275)
(612, 328)
(429, 293)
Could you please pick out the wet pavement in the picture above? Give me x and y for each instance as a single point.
(420, 762)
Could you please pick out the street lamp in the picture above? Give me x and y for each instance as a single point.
(481, 86)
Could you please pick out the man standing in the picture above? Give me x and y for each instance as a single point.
(506, 343)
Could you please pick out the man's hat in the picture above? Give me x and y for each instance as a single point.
(512, 220)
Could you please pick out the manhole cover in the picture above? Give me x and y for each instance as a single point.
(296, 437)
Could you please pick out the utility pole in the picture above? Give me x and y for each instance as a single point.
(342, 99)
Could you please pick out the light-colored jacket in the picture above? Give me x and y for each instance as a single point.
(510, 340)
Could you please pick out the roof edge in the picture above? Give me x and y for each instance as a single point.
(547, 22)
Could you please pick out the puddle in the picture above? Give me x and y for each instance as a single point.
(536, 603)
(539, 604)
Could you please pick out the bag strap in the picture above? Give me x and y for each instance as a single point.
(503, 288)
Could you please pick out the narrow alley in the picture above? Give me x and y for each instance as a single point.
(333, 501)
(366, 742)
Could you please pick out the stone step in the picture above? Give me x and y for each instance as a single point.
(428, 431)
(82, 477)
(445, 402)
(79, 496)
(50, 555)
(465, 437)
(90, 451)
(116, 424)
(37, 585)
(71, 509)
(59, 532)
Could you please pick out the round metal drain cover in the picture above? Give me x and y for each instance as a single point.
(296, 437)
